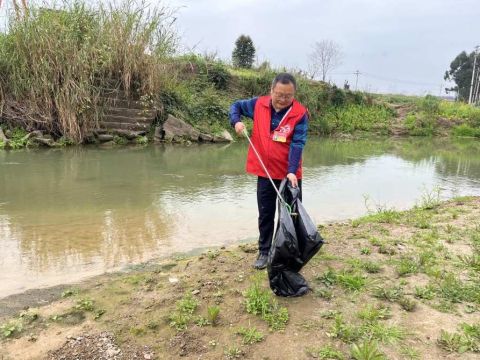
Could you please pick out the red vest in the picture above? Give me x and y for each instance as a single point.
(274, 154)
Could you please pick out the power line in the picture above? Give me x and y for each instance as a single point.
(387, 79)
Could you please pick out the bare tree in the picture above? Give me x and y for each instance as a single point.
(326, 56)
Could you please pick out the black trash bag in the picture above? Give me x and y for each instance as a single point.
(295, 242)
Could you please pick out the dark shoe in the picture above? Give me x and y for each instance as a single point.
(261, 262)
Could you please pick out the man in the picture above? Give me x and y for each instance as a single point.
(279, 135)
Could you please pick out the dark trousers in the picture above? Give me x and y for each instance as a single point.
(267, 204)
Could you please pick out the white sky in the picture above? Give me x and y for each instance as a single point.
(398, 46)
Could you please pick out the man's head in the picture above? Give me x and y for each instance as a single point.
(283, 91)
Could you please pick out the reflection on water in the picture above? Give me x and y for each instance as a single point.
(70, 213)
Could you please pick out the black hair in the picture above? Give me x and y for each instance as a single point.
(284, 78)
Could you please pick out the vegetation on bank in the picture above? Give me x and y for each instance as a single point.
(389, 285)
(60, 67)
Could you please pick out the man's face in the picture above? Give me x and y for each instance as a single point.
(282, 95)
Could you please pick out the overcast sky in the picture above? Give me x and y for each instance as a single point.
(398, 46)
(401, 46)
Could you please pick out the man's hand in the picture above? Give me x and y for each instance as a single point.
(239, 127)
(293, 179)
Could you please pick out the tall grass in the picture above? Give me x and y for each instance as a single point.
(56, 64)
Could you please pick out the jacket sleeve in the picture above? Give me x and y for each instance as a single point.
(299, 140)
(242, 108)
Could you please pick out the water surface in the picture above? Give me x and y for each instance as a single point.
(66, 214)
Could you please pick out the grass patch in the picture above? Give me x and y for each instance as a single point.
(250, 335)
(325, 352)
(185, 308)
(466, 340)
(366, 350)
(260, 302)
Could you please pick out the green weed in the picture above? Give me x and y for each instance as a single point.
(365, 251)
(185, 308)
(425, 293)
(407, 304)
(11, 328)
(367, 350)
(391, 294)
(212, 314)
(351, 281)
(410, 353)
(85, 305)
(372, 313)
(233, 352)
(260, 302)
(343, 331)
(325, 352)
(250, 335)
(406, 266)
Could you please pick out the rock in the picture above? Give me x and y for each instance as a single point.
(98, 132)
(226, 135)
(173, 280)
(176, 130)
(130, 135)
(223, 137)
(36, 134)
(205, 137)
(44, 141)
(195, 292)
(105, 137)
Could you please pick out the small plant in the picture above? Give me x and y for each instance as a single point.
(212, 314)
(141, 140)
(153, 325)
(120, 140)
(179, 320)
(352, 282)
(407, 304)
(365, 251)
(344, 331)
(451, 342)
(28, 316)
(426, 293)
(85, 304)
(325, 352)
(370, 267)
(250, 335)
(407, 266)
(69, 292)
(213, 254)
(388, 293)
(367, 350)
(386, 250)
(374, 313)
(201, 321)
(233, 352)
(137, 331)
(430, 199)
(323, 293)
(185, 308)
(381, 332)
(11, 328)
(328, 278)
(187, 305)
(410, 353)
(260, 302)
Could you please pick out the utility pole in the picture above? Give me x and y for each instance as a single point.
(356, 80)
(473, 74)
